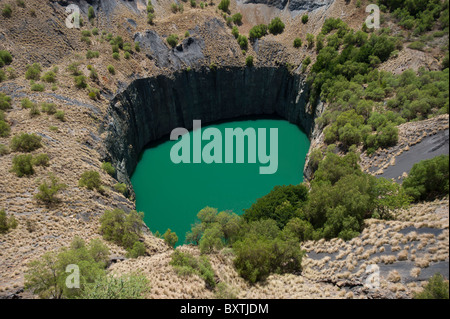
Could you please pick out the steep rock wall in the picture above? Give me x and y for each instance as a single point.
(150, 108)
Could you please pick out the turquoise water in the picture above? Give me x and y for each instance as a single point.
(171, 194)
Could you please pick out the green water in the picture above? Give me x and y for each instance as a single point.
(171, 194)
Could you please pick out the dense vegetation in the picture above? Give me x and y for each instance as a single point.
(365, 105)
(418, 15)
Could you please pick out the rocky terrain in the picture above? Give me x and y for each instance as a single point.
(160, 88)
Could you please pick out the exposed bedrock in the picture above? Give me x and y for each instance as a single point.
(150, 108)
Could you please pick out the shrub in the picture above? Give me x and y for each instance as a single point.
(297, 43)
(137, 250)
(26, 103)
(22, 165)
(5, 102)
(91, 180)
(86, 40)
(95, 31)
(237, 18)
(127, 55)
(137, 47)
(108, 168)
(118, 41)
(428, 179)
(235, 31)
(6, 223)
(80, 82)
(133, 286)
(186, 264)
(25, 142)
(242, 41)
(223, 291)
(122, 228)
(276, 26)
(49, 108)
(41, 160)
(224, 5)
(111, 69)
(193, 3)
(34, 111)
(2, 76)
(249, 61)
(187, 34)
(257, 32)
(5, 129)
(5, 58)
(4, 150)
(92, 54)
(436, 288)
(310, 40)
(417, 45)
(73, 69)
(7, 11)
(37, 87)
(93, 75)
(172, 40)
(91, 13)
(60, 115)
(49, 77)
(121, 188)
(150, 17)
(170, 238)
(47, 191)
(33, 72)
(305, 18)
(116, 56)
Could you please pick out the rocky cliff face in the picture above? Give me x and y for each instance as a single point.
(150, 108)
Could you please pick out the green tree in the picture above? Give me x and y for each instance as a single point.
(224, 5)
(276, 26)
(47, 276)
(297, 43)
(172, 40)
(212, 239)
(428, 179)
(122, 228)
(436, 288)
(273, 205)
(170, 238)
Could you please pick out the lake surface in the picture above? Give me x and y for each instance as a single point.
(171, 194)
